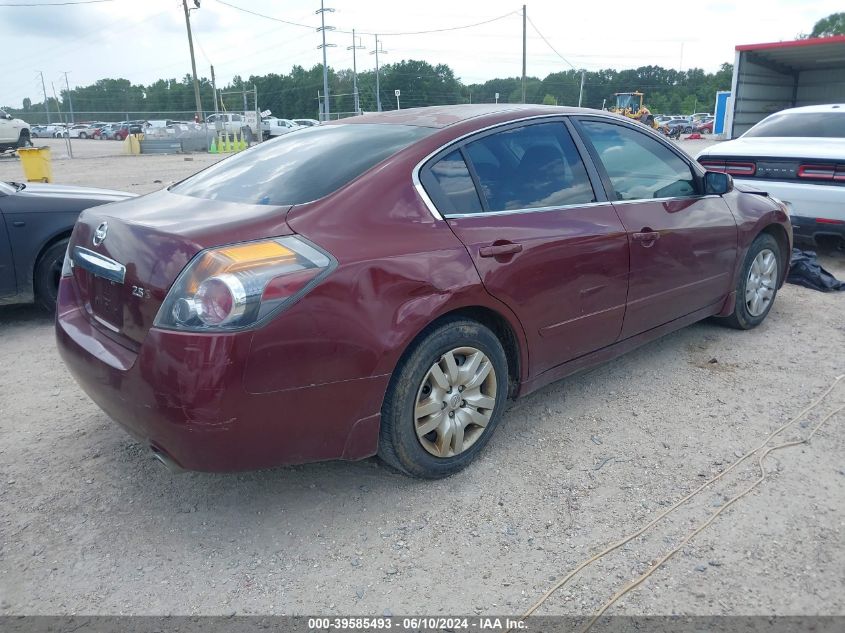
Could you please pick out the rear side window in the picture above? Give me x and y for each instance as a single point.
(639, 167)
(532, 166)
(302, 166)
(453, 190)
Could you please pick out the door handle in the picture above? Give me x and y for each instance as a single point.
(647, 237)
(497, 250)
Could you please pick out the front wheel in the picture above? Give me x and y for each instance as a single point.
(444, 400)
(757, 285)
(47, 274)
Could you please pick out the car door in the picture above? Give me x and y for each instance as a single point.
(543, 240)
(683, 243)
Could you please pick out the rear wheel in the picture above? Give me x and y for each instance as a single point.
(83, 135)
(24, 140)
(757, 285)
(47, 275)
(444, 400)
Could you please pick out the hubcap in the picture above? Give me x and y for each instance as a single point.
(761, 282)
(455, 402)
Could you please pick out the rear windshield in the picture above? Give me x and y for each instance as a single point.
(808, 124)
(301, 166)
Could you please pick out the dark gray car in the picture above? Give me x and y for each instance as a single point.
(35, 223)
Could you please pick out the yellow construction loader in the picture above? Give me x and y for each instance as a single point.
(630, 104)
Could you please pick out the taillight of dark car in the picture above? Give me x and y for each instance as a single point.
(822, 172)
(734, 168)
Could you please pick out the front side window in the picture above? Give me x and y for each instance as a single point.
(639, 167)
(532, 166)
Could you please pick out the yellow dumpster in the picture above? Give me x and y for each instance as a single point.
(36, 163)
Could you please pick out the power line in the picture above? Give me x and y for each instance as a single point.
(443, 30)
(543, 37)
(52, 4)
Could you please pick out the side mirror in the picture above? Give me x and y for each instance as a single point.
(717, 183)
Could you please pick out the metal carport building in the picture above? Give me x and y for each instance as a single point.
(778, 75)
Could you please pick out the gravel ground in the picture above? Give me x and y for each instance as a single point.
(92, 525)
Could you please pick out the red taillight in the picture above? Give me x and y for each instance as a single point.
(288, 285)
(741, 169)
(713, 165)
(819, 172)
(730, 167)
(829, 221)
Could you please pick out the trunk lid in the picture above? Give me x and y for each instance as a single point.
(122, 277)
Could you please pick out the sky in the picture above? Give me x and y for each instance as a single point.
(144, 40)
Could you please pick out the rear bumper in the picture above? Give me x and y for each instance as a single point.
(183, 395)
(805, 200)
(813, 228)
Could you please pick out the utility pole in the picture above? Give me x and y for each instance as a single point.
(69, 98)
(214, 89)
(355, 47)
(67, 129)
(524, 18)
(581, 92)
(375, 52)
(193, 61)
(46, 102)
(323, 28)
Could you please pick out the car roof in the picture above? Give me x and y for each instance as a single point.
(830, 107)
(444, 116)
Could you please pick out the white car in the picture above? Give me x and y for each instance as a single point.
(13, 132)
(798, 156)
(271, 126)
(306, 122)
(80, 130)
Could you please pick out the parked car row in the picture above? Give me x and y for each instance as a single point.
(674, 125)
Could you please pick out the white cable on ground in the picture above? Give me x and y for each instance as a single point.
(689, 537)
(675, 506)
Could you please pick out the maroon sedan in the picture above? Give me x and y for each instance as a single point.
(383, 284)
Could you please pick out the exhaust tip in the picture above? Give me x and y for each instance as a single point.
(164, 459)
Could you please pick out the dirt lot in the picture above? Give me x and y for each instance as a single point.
(90, 524)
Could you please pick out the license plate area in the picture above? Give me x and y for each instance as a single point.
(106, 300)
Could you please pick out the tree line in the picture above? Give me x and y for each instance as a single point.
(296, 94)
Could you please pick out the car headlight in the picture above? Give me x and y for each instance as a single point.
(242, 285)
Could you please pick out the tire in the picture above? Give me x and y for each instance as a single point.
(47, 273)
(688, 130)
(24, 140)
(83, 135)
(746, 313)
(413, 385)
